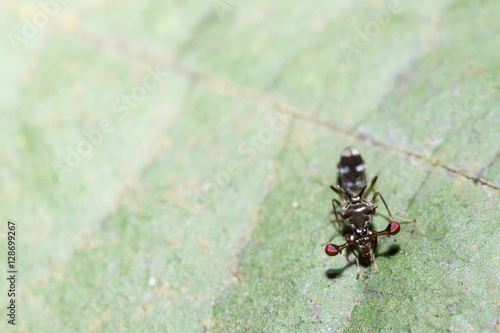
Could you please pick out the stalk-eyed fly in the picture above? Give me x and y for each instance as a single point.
(356, 210)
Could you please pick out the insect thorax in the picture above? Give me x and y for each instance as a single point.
(358, 215)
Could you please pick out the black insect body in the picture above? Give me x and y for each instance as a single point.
(356, 210)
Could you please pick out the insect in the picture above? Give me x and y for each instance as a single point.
(356, 210)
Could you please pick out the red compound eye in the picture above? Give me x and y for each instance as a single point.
(395, 227)
(331, 250)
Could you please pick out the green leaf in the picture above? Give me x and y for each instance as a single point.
(168, 164)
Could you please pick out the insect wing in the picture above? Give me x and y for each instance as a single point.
(351, 168)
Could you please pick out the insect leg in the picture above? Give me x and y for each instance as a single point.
(357, 259)
(374, 245)
(390, 215)
(335, 201)
(374, 263)
(336, 190)
(357, 266)
(347, 238)
(374, 180)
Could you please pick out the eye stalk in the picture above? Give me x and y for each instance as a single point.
(392, 229)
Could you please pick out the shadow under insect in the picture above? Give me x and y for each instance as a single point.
(333, 273)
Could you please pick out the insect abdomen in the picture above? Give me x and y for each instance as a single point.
(351, 168)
